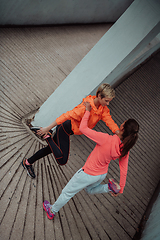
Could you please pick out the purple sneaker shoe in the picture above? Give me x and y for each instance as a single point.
(113, 186)
(46, 206)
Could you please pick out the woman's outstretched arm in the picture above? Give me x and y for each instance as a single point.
(97, 137)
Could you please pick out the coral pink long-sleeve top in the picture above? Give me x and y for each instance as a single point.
(106, 149)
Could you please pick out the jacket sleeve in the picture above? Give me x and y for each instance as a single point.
(97, 137)
(123, 165)
(76, 113)
(106, 117)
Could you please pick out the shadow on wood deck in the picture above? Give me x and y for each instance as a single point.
(34, 61)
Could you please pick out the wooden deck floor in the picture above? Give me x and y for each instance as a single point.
(34, 62)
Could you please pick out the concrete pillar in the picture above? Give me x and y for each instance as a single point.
(107, 61)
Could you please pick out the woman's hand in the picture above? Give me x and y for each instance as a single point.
(88, 106)
(42, 131)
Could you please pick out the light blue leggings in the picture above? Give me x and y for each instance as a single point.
(80, 180)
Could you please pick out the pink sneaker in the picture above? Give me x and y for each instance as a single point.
(46, 206)
(113, 186)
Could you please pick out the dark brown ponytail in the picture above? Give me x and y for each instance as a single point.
(130, 136)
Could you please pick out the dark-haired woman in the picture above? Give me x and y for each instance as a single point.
(95, 169)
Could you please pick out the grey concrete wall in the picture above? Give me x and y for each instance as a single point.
(38, 12)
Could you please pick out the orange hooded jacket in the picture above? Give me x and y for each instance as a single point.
(76, 114)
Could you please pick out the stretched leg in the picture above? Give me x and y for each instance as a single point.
(39, 154)
(98, 187)
(61, 147)
(79, 181)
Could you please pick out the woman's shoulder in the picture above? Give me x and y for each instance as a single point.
(89, 97)
(113, 139)
(116, 139)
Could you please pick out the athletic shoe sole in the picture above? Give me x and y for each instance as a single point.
(27, 170)
(35, 129)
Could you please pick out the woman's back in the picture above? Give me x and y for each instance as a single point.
(107, 148)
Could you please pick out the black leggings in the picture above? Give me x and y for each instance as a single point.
(59, 145)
